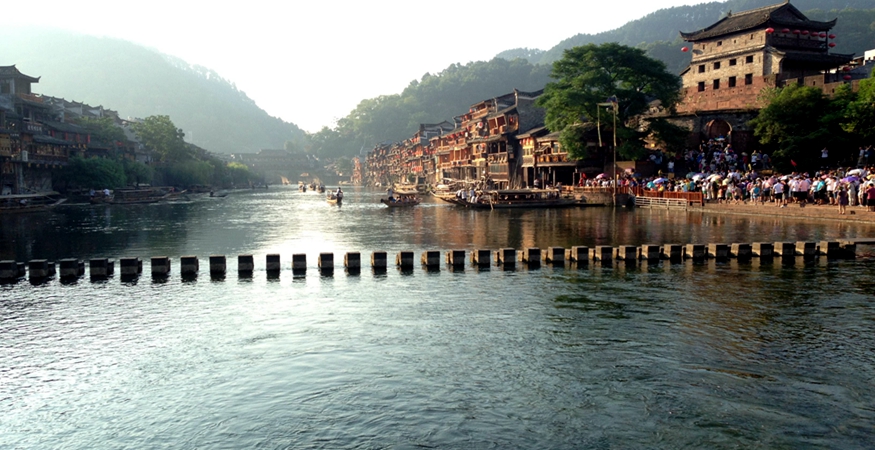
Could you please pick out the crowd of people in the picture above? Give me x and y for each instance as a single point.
(723, 176)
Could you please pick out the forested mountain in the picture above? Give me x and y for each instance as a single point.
(432, 99)
(137, 81)
(658, 32)
(440, 96)
(140, 82)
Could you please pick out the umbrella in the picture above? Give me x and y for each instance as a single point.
(715, 177)
(659, 181)
(855, 172)
(870, 177)
(850, 179)
(698, 177)
(600, 176)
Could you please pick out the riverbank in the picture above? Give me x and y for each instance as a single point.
(855, 214)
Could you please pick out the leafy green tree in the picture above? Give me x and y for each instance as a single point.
(137, 172)
(860, 112)
(788, 126)
(343, 166)
(588, 76)
(93, 173)
(102, 129)
(188, 173)
(238, 173)
(159, 134)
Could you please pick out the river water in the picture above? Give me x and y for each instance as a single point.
(710, 355)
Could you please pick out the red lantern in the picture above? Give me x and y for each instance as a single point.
(685, 49)
(846, 68)
(822, 34)
(832, 44)
(796, 31)
(805, 32)
(832, 36)
(847, 77)
(785, 30)
(770, 30)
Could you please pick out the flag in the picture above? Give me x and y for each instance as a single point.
(793, 163)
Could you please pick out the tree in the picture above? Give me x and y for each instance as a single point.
(137, 172)
(102, 129)
(588, 75)
(94, 173)
(159, 134)
(792, 124)
(860, 112)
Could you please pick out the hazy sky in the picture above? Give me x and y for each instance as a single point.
(311, 63)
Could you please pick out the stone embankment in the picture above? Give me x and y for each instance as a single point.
(854, 214)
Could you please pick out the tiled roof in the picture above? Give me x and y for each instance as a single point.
(13, 72)
(783, 14)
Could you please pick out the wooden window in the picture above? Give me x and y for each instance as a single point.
(719, 43)
(733, 62)
(748, 59)
(731, 82)
(701, 68)
(701, 86)
(716, 84)
(748, 78)
(716, 65)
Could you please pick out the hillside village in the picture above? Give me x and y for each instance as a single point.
(733, 60)
(502, 139)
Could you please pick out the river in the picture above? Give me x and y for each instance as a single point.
(710, 355)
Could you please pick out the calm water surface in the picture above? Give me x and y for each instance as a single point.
(714, 355)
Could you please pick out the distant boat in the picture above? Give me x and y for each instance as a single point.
(132, 197)
(517, 198)
(30, 202)
(401, 200)
(334, 199)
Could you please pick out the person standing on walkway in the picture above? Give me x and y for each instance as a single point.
(870, 197)
(842, 199)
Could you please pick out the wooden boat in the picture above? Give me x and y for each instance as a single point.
(334, 200)
(518, 198)
(30, 202)
(320, 189)
(401, 200)
(132, 197)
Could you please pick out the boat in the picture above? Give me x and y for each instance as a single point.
(30, 202)
(517, 198)
(335, 199)
(401, 200)
(320, 189)
(302, 187)
(132, 197)
(220, 194)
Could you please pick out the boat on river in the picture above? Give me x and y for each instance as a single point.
(132, 197)
(334, 199)
(30, 202)
(516, 198)
(401, 200)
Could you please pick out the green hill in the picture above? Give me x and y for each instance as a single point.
(658, 32)
(139, 82)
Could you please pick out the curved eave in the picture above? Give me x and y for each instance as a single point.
(708, 33)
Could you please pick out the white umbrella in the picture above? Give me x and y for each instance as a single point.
(858, 172)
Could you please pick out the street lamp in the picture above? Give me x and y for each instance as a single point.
(612, 103)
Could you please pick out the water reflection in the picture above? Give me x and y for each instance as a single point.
(285, 221)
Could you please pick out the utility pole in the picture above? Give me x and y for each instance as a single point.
(613, 104)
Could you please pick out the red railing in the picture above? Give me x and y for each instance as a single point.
(692, 197)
